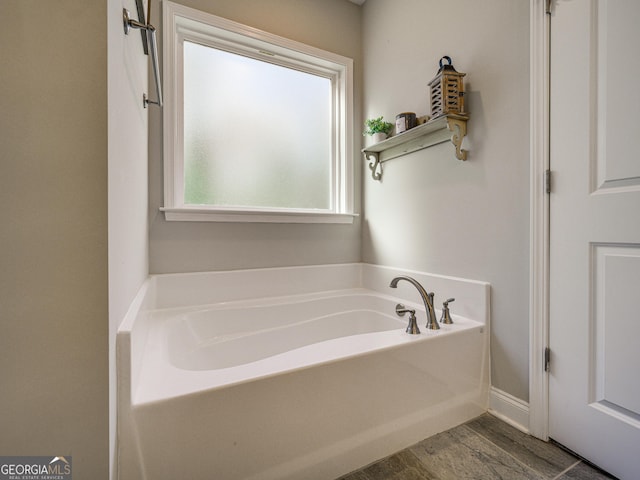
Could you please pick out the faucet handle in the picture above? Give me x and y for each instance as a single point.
(446, 316)
(401, 310)
(412, 327)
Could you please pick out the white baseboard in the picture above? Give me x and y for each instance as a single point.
(509, 409)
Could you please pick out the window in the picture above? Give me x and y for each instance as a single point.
(256, 127)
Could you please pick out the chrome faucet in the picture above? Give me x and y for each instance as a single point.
(427, 298)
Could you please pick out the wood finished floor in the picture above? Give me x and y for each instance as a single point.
(483, 449)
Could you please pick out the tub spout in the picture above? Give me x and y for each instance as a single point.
(427, 299)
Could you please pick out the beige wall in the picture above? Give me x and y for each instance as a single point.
(332, 25)
(432, 212)
(53, 232)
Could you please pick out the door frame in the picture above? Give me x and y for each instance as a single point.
(539, 265)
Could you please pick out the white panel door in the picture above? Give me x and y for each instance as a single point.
(594, 336)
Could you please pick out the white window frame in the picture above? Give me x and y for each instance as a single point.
(182, 24)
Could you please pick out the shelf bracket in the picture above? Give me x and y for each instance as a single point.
(459, 129)
(375, 164)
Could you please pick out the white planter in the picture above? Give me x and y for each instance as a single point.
(378, 137)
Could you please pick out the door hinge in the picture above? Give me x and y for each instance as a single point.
(547, 6)
(547, 181)
(547, 358)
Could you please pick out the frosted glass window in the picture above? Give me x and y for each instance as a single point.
(256, 134)
(256, 127)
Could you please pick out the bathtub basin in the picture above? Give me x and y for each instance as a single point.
(233, 335)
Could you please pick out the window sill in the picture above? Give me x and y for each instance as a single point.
(253, 216)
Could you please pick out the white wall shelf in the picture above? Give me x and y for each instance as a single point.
(451, 127)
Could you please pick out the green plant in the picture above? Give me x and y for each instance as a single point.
(377, 125)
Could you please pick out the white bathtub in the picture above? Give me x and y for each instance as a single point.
(290, 373)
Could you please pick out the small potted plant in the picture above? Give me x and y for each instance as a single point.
(377, 128)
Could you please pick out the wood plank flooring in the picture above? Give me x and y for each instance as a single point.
(484, 448)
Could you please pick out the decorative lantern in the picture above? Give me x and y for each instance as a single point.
(447, 90)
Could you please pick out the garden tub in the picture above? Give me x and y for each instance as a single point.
(289, 373)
